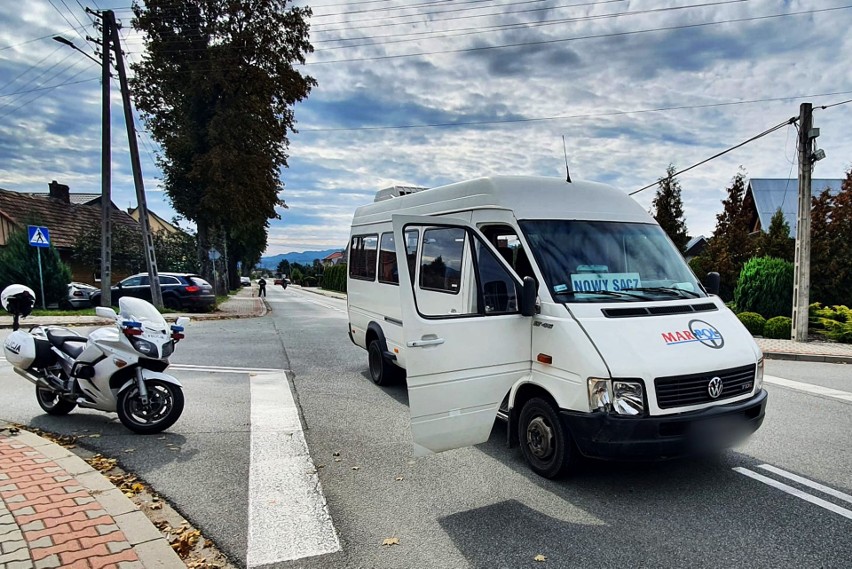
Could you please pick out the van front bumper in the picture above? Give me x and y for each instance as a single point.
(608, 436)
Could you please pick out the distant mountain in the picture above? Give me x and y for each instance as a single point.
(305, 258)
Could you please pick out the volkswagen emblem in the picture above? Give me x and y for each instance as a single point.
(714, 388)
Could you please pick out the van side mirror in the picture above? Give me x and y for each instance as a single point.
(712, 282)
(528, 295)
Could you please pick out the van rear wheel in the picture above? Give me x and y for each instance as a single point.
(546, 445)
(382, 372)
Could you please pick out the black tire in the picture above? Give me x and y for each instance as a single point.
(171, 302)
(546, 445)
(382, 372)
(165, 405)
(52, 402)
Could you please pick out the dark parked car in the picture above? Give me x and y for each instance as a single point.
(79, 296)
(181, 291)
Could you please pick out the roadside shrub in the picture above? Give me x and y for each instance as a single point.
(778, 328)
(309, 281)
(831, 322)
(765, 286)
(19, 265)
(334, 278)
(753, 322)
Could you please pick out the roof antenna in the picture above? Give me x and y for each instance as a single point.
(565, 150)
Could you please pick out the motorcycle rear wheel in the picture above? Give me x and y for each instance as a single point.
(165, 405)
(52, 402)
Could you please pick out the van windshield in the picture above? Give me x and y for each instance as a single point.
(606, 261)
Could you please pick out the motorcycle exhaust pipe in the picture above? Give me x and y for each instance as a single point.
(32, 378)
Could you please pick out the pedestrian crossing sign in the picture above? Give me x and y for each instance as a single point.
(39, 236)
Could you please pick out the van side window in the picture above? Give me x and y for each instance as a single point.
(387, 260)
(505, 239)
(411, 238)
(362, 257)
(441, 260)
(499, 290)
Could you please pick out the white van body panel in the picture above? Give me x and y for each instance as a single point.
(456, 384)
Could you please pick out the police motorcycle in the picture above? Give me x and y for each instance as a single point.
(117, 369)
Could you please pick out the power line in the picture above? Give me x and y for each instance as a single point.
(51, 87)
(25, 42)
(67, 20)
(577, 116)
(577, 38)
(525, 25)
(789, 121)
(40, 95)
(33, 66)
(37, 77)
(822, 108)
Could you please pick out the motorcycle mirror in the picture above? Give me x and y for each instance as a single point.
(105, 312)
(182, 321)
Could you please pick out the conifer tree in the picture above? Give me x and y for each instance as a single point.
(776, 242)
(668, 209)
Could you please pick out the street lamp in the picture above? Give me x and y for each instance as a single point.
(70, 44)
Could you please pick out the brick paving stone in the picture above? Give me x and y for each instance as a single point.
(49, 562)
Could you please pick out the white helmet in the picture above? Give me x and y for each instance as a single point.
(17, 299)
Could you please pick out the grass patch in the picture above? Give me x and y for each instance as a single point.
(57, 312)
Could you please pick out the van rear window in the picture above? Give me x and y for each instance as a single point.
(362, 257)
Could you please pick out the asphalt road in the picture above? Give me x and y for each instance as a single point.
(481, 506)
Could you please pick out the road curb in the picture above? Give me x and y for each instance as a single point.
(815, 358)
(146, 541)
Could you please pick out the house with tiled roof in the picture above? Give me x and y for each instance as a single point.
(333, 259)
(155, 222)
(65, 219)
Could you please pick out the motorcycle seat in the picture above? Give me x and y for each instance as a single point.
(68, 342)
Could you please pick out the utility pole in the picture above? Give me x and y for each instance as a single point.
(106, 169)
(142, 207)
(802, 278)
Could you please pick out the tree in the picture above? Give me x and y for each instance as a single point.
(839, 269)
(776, 242)
(668, 209)
(284, 267)
(730, 247)
(822, 289)
(176, 252)
(19, 265)
(216, 88)
(126, 253)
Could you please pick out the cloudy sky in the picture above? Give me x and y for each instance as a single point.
(427, 92)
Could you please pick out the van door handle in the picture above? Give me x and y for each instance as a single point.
(425, 342)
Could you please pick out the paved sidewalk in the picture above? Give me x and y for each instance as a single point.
(242, 304)
(57, 511)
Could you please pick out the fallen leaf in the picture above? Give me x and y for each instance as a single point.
(337, 459)
(320, 466)
(335, 454)
(399, 478)
(391, 541)
(356, 468)
(540, 557)
(156, 506)
(94, 436)
(130, 450)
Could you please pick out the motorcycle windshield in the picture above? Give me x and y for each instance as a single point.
(139, 310)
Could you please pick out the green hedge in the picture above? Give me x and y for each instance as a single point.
(765, 286)
(778, 328)
(334, 278)
(831, 322)
(753, 322)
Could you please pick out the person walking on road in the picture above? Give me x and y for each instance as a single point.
(262, 284)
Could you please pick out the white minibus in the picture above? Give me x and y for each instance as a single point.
(562, 308)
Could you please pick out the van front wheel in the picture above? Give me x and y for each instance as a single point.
(546, 445)
(380, 369)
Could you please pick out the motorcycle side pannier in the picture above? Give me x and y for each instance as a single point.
(23, 350)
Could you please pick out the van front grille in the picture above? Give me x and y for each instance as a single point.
(685, 390)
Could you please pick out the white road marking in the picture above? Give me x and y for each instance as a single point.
(796, 492)
(809, 388)
(809, 483)
(225, 369)
(288, 514)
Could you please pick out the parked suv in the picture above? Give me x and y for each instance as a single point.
(181, 291)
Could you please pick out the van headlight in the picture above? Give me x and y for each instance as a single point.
(758, 377)
(627, 397)
(600, 398)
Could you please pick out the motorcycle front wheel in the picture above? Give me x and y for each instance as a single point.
(52, 402)
(165, 404)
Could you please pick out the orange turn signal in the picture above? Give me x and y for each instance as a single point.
(545, 359)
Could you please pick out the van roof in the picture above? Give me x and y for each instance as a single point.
(528, 197)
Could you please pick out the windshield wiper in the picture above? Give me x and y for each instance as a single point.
(682, 293)
(614, 293)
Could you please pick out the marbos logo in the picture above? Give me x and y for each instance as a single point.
(699, 331)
